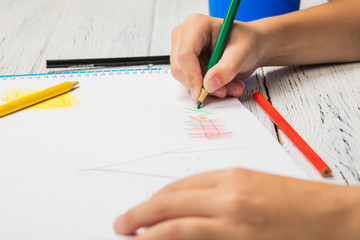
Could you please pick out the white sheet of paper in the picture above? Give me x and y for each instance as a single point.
(67, 173)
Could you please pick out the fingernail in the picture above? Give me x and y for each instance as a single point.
(213, 85)
(193, 94)
(119, 226)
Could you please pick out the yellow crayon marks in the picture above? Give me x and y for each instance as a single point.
(62, 101)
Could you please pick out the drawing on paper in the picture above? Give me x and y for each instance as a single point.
(201, 125)
(176, 164)
(65, 100)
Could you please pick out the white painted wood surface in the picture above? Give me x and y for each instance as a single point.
(26, 29)
(321, 102)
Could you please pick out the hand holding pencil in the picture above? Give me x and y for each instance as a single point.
(193, 42)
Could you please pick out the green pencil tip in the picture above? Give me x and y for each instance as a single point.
(199, 105)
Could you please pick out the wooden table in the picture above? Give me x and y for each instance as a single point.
(321, 102)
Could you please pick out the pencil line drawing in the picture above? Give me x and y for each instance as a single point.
(207, 150)
(139, 159)
(186, 155)
(176, 151)
(129, 172)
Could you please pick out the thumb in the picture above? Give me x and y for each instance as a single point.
(221, 73)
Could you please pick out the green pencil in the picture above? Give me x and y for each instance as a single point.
(220, 42)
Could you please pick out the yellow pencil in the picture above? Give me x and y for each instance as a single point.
(37, 97)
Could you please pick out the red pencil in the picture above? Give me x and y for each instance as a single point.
(310, 154)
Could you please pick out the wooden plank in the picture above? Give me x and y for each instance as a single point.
(322, 104)
(26, 28)
(311, 3)
(103, 28)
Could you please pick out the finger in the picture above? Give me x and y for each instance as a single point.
(187, 59)
(166, 206)
(176, 70)
(235, 88)
(186, 228)
(193, 77)
(225, 70)
(187, 47)
(220, 93)
(219, 75)
(179, 76)
(189, 74)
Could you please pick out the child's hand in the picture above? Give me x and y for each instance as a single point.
(192, 43)
(243, 204)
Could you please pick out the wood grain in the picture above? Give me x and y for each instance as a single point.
(26, 30)
(322, 103)
(103, 28)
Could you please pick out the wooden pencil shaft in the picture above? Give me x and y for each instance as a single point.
(108, 62)
(297, 140)
(35, 98)
(203, 95)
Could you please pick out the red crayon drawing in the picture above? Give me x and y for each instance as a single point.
(203, 127)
